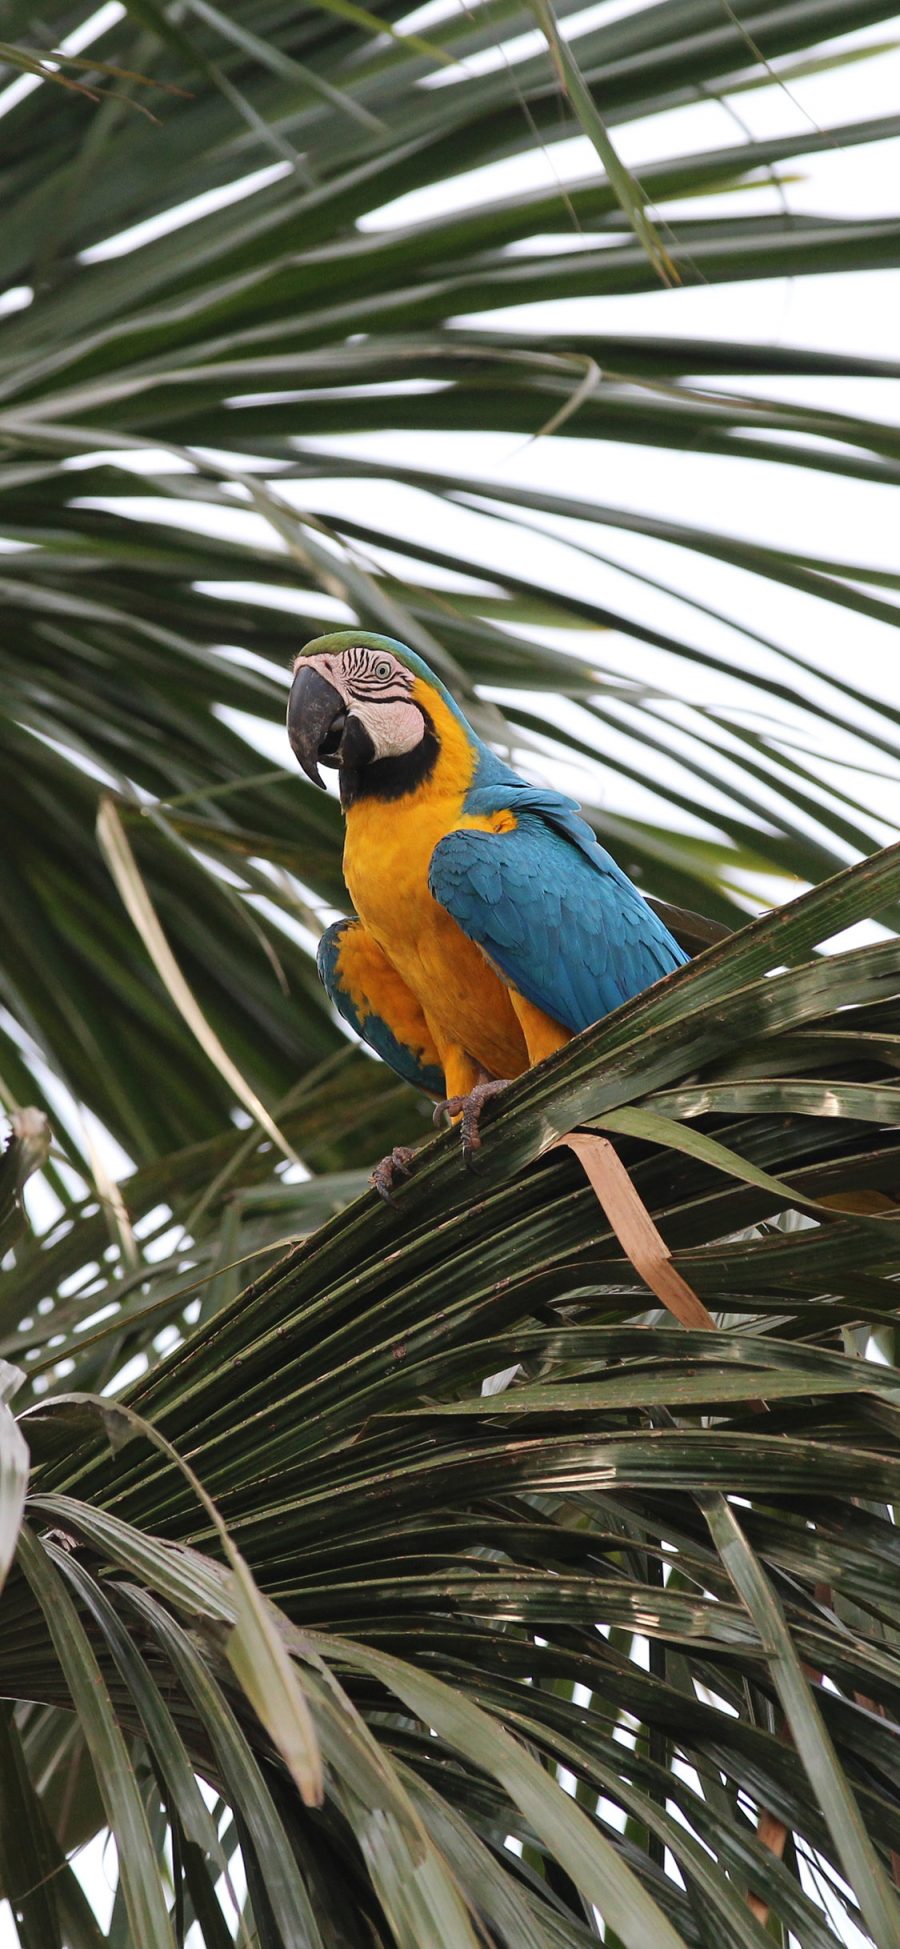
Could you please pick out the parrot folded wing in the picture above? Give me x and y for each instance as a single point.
(552, 911)
(369, 993)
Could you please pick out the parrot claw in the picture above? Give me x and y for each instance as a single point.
(386, 1174)
(468, 1109)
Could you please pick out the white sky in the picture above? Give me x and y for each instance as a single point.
(766, 502)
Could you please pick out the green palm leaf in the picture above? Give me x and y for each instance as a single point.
(590, 1639)
(441, 1556)
(243, 337)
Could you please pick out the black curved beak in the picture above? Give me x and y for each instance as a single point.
(316, 717)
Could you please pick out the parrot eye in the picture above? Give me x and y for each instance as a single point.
(383, 669)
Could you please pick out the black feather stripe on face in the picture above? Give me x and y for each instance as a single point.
(377, 694)
(375, 676)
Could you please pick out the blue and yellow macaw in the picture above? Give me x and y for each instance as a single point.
(491, 926)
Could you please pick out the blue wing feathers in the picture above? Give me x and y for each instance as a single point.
(412, 1063)
(549, 907)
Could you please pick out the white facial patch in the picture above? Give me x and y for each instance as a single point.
(377, 689)
(393, 727)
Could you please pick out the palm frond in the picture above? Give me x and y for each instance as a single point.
(583, 1614)
(441, 1556)
(201, 309)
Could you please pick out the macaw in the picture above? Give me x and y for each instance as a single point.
(490, 924)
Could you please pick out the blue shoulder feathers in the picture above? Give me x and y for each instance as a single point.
(548, 906)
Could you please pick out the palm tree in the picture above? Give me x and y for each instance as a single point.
(343, 1647)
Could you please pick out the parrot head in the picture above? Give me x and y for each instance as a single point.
(359, 704)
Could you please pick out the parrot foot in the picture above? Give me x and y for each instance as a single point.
(396, 1167)
(468, 1109)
